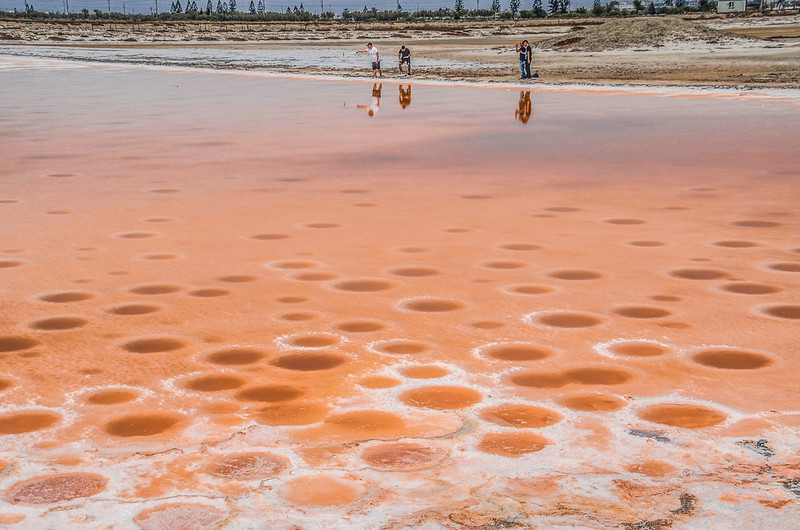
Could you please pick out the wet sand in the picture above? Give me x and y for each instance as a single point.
(232, 300)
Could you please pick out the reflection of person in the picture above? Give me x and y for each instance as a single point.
(376, 59)
(404, 55)
(375, 106)
(523, 113)
(405, 96)
(525, 56)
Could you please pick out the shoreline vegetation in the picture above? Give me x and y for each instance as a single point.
(689, 49)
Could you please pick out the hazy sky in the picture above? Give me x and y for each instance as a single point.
(145, 6)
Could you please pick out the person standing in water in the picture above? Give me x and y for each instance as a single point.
(404, 55)
(376, 59)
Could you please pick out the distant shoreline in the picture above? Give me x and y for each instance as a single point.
(479, 52)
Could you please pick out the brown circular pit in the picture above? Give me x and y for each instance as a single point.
(787, 311)
(64, 297)
(540, 379)
(237, 278)
(235, 356)
(424, 372)
(749, 288)
(519, 247)
(402, 456)
(642, 312)
(215, 383)
(598, 376)
(638, 349)
(292, 413)
(575, 274)
(517, 352)
(441, 397)
(735, 244)
(16, 343)
(135, 425)
(503, 264)
(111, 397)
(312, 341)
(297, 317)
(756, 224)
(323, 490)
(248, 466)
(133, 309)
(269, 393)
(625, 221)
(512, 445)
(309, 362)
(153, 345)
(179, 516)
(732, 359)
(785, 267)
(269, 237)
(699, 274)
(155, 289)
(58, 323)
(56, 488)
(208, 293)
(414, 272)
(27, 421)
(363, 285)
(593, 403)
(432, 305)
(566, 319)
(685, 416)
(378, 381)
(529, 289)
(646, 243)
(520, 416)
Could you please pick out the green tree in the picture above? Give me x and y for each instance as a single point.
(231, 6)
(209, 7)
(496, 6)
(538, 10)
(565, 5)
(598, 9)
(219, 6)
(612, 7)
(260, 9)
(553, 6)
(459, 6)
(252, 7)
(513, 6)
(638, 6)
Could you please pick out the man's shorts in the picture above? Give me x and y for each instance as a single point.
(376, 66)
(405, 60)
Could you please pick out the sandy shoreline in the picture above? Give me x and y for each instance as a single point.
(473, 52)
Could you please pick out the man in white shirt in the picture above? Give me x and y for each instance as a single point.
(376, 59)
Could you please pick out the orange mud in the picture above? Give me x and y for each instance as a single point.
(229, 300)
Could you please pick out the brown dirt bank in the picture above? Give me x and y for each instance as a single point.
(730, 52)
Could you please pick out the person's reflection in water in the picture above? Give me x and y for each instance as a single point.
(405, 96)
(374, 107)
(523, 113)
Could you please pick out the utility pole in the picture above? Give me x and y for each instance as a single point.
(321, 6)
(156, 7)
(109, 7)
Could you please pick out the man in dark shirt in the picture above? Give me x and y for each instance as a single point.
(525, 55)
(404, 55)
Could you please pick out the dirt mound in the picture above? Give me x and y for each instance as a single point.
(635, 33)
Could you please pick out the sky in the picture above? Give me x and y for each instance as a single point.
(146, 6)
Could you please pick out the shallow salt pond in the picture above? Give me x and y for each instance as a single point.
(232, 299)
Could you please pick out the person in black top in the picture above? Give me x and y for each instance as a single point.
(404, 55)
(525, 56)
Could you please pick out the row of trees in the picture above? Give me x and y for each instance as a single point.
(256, 11)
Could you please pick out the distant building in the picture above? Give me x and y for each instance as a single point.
(731, 6)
